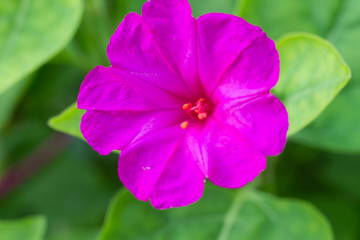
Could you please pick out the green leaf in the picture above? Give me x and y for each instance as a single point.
(29, 228)
(68, 121)
(312, 74)
(221, 214)
(31, 32)
(333, 130)
(339, 22)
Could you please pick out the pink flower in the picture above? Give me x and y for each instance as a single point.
(185, 99)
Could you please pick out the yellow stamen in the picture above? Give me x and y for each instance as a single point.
(202, 115)
(184, 125)
(187, 106)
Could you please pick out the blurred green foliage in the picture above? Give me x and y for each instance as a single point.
(10, 98)
(73, 192)
(220, 214)
(40, 74)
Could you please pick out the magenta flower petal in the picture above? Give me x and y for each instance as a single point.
(161, 167)
(232, 161)
(185, 99)
(256, 70)
(110, 89)
(108, 131)
(263, 120)
(174, 31)
(221, 40)
(133, 49)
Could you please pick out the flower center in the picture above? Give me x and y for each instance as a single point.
(197, 111)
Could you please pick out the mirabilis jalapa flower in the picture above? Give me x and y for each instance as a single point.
(185, 99)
